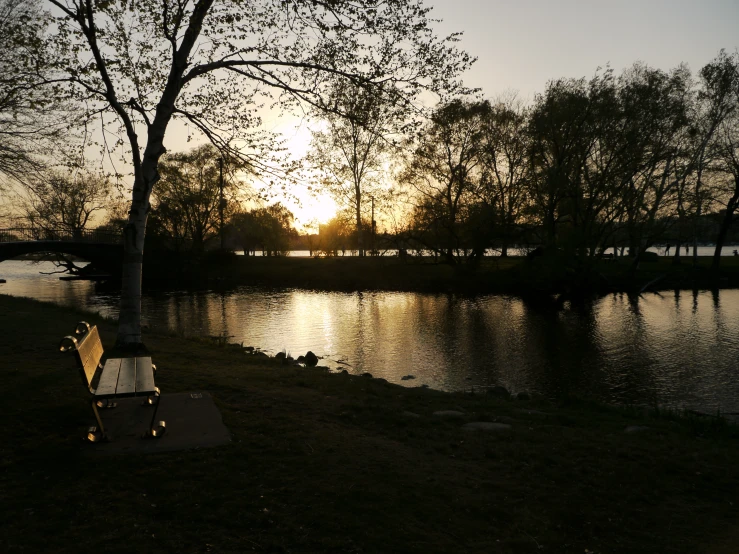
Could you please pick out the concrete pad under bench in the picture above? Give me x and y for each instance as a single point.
(193, 421)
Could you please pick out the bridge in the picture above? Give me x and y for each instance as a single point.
(102, 248)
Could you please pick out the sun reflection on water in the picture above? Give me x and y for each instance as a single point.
(676, 348)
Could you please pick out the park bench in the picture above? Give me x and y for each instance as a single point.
(117, 378)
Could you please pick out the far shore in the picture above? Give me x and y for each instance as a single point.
(513, 275)
(323, 462)
(509, 275)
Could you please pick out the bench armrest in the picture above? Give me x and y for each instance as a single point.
(68, 344)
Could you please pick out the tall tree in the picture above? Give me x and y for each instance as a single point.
(443, 170)
(608, 165)
(655, 105)
(349, 154)
(269, 227)
(187, 201)
(724, 71)
(559, 138)
(504, 153)
(65, 201)
(140, 65)
(716, 100)
(604, 155)
(27, 116)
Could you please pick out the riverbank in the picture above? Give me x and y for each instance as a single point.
(339, 463)
(510, 275)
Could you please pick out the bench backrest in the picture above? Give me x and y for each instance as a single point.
(88, 351)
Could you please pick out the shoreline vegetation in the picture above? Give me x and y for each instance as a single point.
(510, 275)
(343, 463)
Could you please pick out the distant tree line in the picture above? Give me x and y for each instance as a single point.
(614, 162)
(620, 162)
(623, 162)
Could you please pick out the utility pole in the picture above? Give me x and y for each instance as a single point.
(221, 201)
(374, 223)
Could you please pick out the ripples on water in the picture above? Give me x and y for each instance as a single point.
(677, 349)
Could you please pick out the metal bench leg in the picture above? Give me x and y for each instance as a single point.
(158, 429)
(96, 434)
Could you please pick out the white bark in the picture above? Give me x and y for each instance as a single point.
(129, 319)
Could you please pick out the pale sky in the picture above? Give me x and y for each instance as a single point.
(521, 44)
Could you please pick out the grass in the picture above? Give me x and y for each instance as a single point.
(333, 463)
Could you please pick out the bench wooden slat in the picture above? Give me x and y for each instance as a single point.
(90, 350)
(127, 378)
(109, 378)
(144, 376)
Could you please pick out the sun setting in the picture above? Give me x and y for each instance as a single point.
(310, 209)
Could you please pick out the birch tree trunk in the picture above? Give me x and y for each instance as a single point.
(129, 318)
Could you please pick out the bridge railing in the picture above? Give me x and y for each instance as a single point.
(27, 234)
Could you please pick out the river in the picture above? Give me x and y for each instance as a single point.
(678, 349)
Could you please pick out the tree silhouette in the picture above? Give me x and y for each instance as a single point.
(504, 154)
(270, 228)
(187, 200)
(444, 169)
(350, 153)
(213, 63)
(721, 92)
(29, 117)
(65, 201)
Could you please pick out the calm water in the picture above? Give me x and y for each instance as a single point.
(679, 349)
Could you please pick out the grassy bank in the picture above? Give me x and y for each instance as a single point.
(341, 463)
(494, 275)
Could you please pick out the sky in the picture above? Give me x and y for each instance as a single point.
(522, 44)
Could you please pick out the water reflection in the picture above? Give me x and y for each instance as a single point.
(676, 349)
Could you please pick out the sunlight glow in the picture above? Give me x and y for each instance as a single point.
(309, 209)
(312, 210)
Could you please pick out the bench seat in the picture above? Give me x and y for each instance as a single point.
(124, 377)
